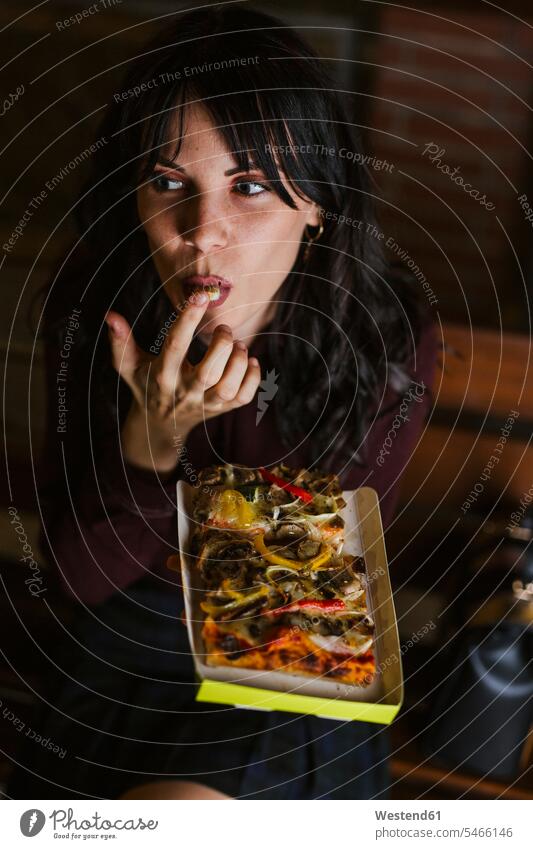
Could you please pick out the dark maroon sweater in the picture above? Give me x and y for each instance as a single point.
(123, 525)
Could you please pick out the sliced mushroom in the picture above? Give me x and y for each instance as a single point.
(285, 532)
(308, 548)
(243, 475)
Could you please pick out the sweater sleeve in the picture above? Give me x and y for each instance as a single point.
(394, 434)
(120, 526)
(105, 523)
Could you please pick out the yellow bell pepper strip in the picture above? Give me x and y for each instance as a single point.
(233, 510)
(315, 562)
(237, 600)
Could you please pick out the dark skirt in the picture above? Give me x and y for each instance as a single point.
(123, 713)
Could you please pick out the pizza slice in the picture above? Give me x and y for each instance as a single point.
(279, 593)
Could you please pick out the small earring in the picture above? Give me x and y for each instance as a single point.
(312, 239)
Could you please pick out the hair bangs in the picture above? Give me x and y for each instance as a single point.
(254, 125)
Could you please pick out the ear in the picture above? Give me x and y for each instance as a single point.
(314, 219)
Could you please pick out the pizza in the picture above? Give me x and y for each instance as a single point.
(278, 591)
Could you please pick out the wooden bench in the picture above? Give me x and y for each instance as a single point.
(484, 378)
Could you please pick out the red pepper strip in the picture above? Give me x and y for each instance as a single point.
(295, 490)
(326, 606)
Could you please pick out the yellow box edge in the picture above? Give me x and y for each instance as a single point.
(239, 695)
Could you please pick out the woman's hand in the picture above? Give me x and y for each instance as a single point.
(171, 396)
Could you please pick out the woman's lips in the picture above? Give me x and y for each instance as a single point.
(218, 288)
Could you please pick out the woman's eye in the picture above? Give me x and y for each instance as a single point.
(249, 188)
(162, 183)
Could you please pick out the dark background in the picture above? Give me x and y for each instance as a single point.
(455, 74)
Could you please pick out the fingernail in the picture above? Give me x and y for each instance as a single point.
(253, 361)
(199, 298)
(240, 345)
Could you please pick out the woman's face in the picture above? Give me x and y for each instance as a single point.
(209, 223)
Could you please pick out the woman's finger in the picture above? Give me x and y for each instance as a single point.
(209, 371)
(239, 383)
(173, 563)
(179, 339)
(250, 383)
(125, 354)
(228, 385)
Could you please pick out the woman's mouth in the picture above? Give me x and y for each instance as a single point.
(218, 288)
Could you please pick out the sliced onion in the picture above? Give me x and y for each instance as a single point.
(336, 645)
(321, 517)
(271, 569)
(297, 504)
(214, 607)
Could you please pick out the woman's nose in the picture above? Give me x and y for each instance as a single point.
(203, 223)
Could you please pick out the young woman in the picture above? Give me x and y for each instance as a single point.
(228, 163)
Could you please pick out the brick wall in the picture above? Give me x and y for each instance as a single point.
(464, 85)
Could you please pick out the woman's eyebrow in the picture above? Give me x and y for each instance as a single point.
(238, 170)
(177, 167)
(170, 164)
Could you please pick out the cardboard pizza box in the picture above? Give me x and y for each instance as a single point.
(378, 702)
